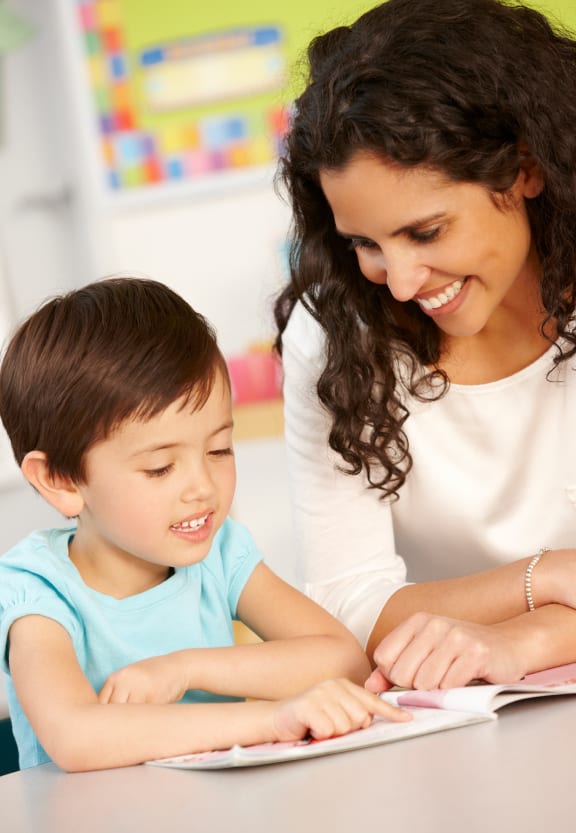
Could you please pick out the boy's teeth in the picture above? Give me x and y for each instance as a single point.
(195, 524)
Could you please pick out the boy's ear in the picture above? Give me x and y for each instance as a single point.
(60, 492)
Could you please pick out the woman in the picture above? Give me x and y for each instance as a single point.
(427, 338)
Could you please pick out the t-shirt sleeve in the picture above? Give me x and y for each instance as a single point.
(344, 533)
(26, 594)
(239, 555)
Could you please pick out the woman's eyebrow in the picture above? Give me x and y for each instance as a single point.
(417, 223)
(422, 221)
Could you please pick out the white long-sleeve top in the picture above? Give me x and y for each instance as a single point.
(493, 480)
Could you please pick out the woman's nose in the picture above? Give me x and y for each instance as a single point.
(401, 272)
(405, 278)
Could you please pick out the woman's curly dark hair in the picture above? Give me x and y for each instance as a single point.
(456, 85)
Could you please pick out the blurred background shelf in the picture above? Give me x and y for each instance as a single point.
(258, 420)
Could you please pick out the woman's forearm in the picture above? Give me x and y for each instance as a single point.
(485, 598)
(427, 651)
(545, 638)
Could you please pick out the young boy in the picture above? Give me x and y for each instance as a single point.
(116, 632)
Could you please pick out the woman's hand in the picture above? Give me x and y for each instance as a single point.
(331, 708)
(156, 680)
(427, 651)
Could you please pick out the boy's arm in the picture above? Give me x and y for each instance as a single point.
(306, 645)
(79, 733)
(303, 644)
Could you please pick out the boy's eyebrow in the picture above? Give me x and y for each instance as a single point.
(226, 426)
(421, 221)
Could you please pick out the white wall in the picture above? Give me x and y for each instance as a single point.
(40, 240)
(221, 251)
(219, 242)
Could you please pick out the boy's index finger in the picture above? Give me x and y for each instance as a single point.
(380, 707)
(390, 712)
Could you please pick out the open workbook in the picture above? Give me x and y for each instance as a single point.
(433, 711)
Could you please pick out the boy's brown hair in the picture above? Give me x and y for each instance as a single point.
(86, 361)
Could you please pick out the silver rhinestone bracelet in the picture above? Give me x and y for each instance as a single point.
(528, 577)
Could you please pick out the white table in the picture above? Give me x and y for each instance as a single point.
(516, 775)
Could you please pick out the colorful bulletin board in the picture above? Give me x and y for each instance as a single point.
(184, 90)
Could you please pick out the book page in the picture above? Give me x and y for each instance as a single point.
(432, 711)
(425, 721)
(485, 698)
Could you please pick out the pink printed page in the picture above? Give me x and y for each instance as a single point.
(562, 675)
(483, 697)
(434, 699)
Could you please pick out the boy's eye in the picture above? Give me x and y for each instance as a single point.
(221, 452)
(158, 472)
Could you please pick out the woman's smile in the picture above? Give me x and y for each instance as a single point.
(469, 273)
(437, 301)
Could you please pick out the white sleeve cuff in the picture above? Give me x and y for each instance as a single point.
(356, 601)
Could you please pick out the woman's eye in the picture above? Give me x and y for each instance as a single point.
(424, 236)
(361, 243)
(158, 472)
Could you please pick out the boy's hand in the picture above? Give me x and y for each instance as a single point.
(334, 707)
(155, 680)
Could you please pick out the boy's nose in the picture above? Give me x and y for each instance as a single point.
(199, 485)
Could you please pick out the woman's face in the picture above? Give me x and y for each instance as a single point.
(463, 255)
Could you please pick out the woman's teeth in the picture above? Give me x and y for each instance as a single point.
(191, 525)
(437, 301)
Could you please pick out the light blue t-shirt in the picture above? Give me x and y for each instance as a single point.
(194, 608)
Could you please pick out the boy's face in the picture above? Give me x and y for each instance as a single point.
(156, 493)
